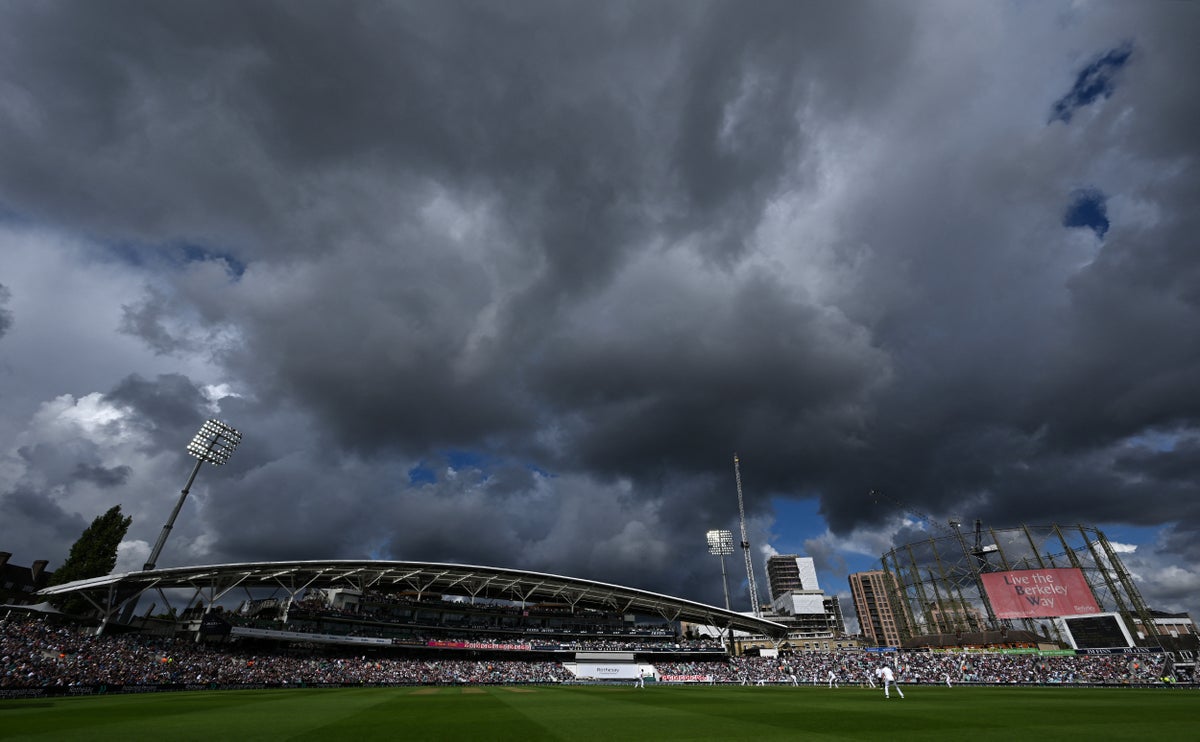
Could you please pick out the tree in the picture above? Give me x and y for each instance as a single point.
(94, 554)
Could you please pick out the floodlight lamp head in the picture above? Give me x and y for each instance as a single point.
(214, 443)
(720, 543)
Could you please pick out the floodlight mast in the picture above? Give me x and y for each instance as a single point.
(737, 474)
(213, 444)
(720, 543)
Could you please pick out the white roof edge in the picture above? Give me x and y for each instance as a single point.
(170, 574)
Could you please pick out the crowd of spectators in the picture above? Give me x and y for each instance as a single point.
(858, 668)
(36, 653)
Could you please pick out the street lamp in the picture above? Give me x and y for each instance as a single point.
(213, 444)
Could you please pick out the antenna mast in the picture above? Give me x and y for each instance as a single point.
(737, 475)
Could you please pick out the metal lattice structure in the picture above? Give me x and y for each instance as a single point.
(754, 604)
(939, 588)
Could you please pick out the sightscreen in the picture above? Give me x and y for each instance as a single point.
(1039, 593)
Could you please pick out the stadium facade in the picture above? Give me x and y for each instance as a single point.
(415, 610)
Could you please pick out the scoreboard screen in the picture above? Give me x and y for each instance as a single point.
(1098, 632)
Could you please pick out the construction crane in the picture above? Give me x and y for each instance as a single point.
(737, 475)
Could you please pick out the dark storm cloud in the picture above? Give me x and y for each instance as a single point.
(557, 144)
(6, 317)
(103, 476)
(44, 522)
(683, 395)
(265, 99)
(61, 463)
(145, 320)
(600, 247)
(169, 400)
(1167, 458)
(1129, 337)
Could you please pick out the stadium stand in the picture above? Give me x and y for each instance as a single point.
(47, 655)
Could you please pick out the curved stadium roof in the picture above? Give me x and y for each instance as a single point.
(211, 582)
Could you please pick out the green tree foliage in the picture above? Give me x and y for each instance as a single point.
(94, 554)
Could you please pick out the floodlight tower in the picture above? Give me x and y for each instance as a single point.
(737, 475)
(213, 444)
(720, 543)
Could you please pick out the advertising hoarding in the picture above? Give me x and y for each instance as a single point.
(608, 671)
(1039, 593)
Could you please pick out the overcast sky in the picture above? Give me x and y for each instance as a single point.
(508, 283)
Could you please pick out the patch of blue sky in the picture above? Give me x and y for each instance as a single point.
(457, 459)
(201, 254)
(178, 254)
(421, 474)
(464, 459)
(795, 522)
(798, 521)
(541, 472)
(1122, 534)
(1094, 82)
(1156, 440)
(1087, 209)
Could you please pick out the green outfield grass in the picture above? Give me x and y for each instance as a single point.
(613, 713)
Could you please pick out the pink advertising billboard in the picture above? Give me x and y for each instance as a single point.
(1039, 593)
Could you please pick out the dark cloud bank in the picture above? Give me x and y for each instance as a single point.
(568, 257)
